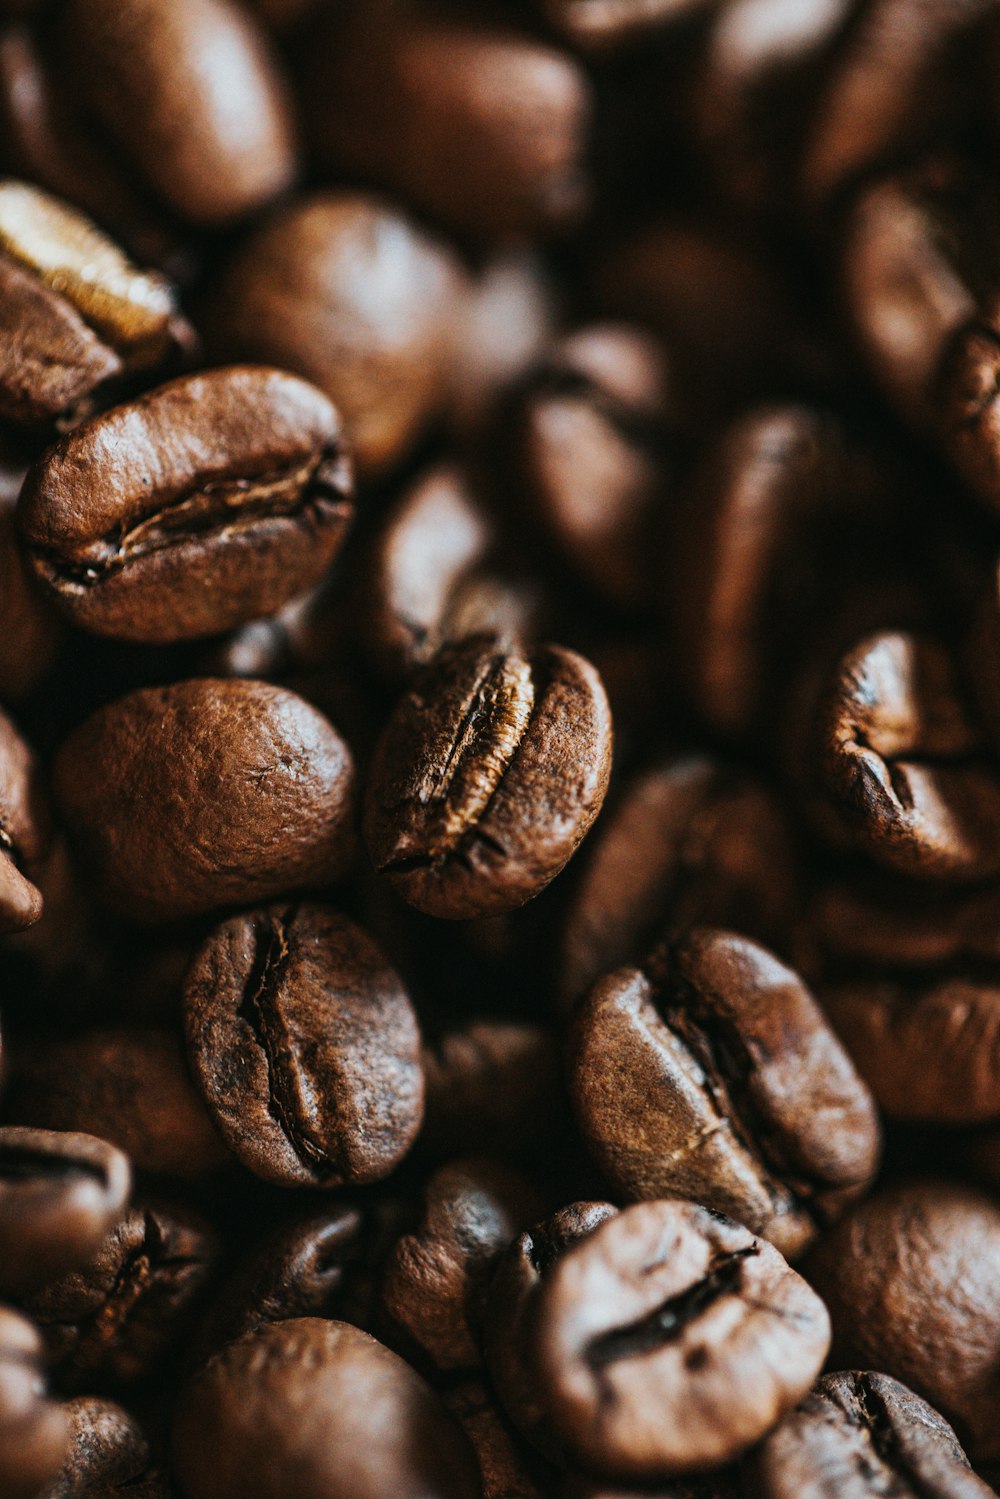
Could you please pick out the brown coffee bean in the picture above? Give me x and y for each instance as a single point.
(305, 1047)
(487, 778)
(245, 789)
(873, 920)
(206, 503)
(910, 1279)
(509, 1329)
(348, 292)
(327, 1402)
(859, 1435)
(593, 454)
(508, 1470)
(509, 317)
(713, 1076)
(127, 1085)
(690, 842)
(115, 1321)
(724, 1485)
(24, 831)
(493, 1085)
(60, 1195)
(480, 127)
(605, 25)
(108, 1455)
(77, 315)
(191, 94)
(671, 1339)
(436, 1278)
(34, 1434)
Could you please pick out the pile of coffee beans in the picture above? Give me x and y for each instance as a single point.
(499, 749)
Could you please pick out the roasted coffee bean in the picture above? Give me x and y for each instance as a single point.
(108, 1455)
(248, 503)
(909, 1277)
(507, 1468)
(593, 454)
(714, 1076)
(305, 1047)
(348, 292)
(480, 127)
(299, 1397)
(690, 842)
(899, 769)
(723, 1485)
(129, 1086)
(244, 789)
(34, 1434)
(77, 316)
(508, 318)
(24, 831)
(509, 1329)
(301, 1269)
(860, 1434)
(671, 1339)
(60, 1195)
(436, 1278)
(601, 25)
(929, 1049)
(487, 777)
(115, 1321)
(430, 579)
(493, 1085)
(871, 920)
(191, 95)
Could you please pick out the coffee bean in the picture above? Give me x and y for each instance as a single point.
(713, 1076)
(191, 95)
(909, 1278)
(348, 292)
(860, 1434)
(114, 1321)
(244, 789)
(507, 1468)
(480, 127)
(436, 1279)
(299, 1397)
(60, 1195)
(34, 1434)
(873, 920)
(129, 1086)
(24, 831)
(511, 1313)
(601, 25)
(509, 316)
(714, 1486)
(305, 1047)
(671, 1339)
(248, 503)
(690, 842)
(108, 1455)
(487, 778)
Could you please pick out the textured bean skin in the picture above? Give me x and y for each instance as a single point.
(208, 502)
(245, 787)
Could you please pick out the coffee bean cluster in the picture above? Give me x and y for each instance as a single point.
(499, 749)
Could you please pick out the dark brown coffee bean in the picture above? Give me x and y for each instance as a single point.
(604, 25)
(899, 768)
(910, 1279)
(249, 501)
(482, 128)
(714, 1076)
(436, 1278)
(493, 1085)
(691, 842)
(327, 1402)
(34, 1434)
(509, 317)
(191, 95)
(60, 1195)
(109, 1455)
(305, 1047)
(860, 1435)
(129, 1086)
(245, 790)
(873, 920)
(592, 452)
(115, 1321)
(508, 1469)
(928, 1049)
(487, 778)
(671, 1339)
(77, 316)
(24, 831)
(349, 293)
(509, 1330)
